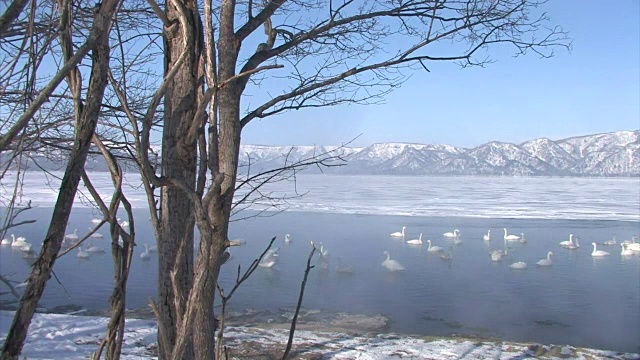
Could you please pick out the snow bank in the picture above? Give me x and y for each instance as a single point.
(53, 336)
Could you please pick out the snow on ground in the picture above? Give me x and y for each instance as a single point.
(54, 336)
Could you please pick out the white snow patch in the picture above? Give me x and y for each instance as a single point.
(53, 336)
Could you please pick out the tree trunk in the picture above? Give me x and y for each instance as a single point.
(86, 125)
(179, 162)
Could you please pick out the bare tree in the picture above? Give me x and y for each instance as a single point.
(225, 66)
(86, 119)
(324, 54)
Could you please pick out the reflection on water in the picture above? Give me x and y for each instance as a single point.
(574, 301)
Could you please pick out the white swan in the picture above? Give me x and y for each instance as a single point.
(72, 236)
(452, 235)
(125, 225)
(567, 242)
(398, 233)
(96, 235)
(547, 261)
(457, 241)
(19, 241)
(417, 241)
(391, 265)
(633, 247)
(487, 237)
(632, 241)
(287, 238)
(520, 265)
(625, 251)
(596, 252)
(94, 249)
(612, 241)
(82, 254)
(433, 248)
(269, 259)
(343, 268)
(510, 237)
(574, 245)
(96, 221)
(6, 241)
(323, 252)
(145, 255)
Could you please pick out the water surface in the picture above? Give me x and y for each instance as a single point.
(579, 300)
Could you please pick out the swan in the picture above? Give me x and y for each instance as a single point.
(26, 247)
(398, 233)
(573, 245)
(268, 262)
(547, 261)
(82, 254)
(457, 241)
(287, 238)
(237, 242)
(629, 242)
(452, 235)
(433, 248)
(269, 259)
(596, 252)
(567, 242)
(523, 240)
(153, 249)
(323, 252)
(145, 255)
(96, 235)
(487, 237)
(510, 237)
(391, 265)
(611, 242)
(633, 247)
(625, 250)
(94, 249)
(6, 241)
(96, 221)
(125, 225)
(497, 255)
(417, 241)
(520, 265)
(72, 236)
(19, 241)
(342, 268)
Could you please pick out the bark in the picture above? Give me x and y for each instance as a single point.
(51, 246)
(179, 162)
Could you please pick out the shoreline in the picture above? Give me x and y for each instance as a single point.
(75, 336)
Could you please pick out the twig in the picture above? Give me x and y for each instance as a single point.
(295, 316)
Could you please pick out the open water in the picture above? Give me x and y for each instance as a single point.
(579, 300)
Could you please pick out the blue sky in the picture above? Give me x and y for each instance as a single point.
(595, 88)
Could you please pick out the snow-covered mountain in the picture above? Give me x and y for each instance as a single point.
(610, 154)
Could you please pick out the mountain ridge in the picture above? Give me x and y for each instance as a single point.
(604, 154)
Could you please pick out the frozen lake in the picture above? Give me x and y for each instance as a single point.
(579, 300)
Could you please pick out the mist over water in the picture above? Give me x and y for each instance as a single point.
(579, 300)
